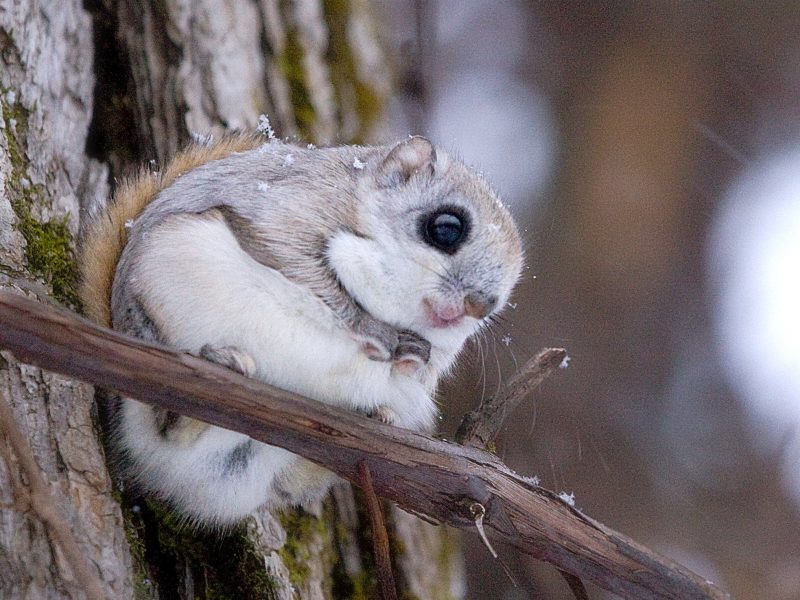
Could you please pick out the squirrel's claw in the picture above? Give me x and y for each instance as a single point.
(383, 413)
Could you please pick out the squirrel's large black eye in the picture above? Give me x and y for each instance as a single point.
(445, 230)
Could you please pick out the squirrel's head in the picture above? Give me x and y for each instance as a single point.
(434, 250)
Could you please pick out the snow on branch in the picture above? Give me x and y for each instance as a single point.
(442, 480)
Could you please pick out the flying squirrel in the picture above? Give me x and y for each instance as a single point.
(352, 275)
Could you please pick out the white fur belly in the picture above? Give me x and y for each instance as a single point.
(200, 287)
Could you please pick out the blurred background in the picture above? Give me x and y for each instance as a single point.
(650, 152)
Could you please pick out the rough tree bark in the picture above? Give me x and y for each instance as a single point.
(46, 86)
(165, 70)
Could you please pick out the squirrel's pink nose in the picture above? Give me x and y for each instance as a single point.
(447, 314)
(449, 311)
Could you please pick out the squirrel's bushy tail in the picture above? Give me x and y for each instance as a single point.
(105, 237)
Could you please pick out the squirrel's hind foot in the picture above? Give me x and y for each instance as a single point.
(231, 357)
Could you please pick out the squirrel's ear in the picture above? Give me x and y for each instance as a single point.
(411, 156)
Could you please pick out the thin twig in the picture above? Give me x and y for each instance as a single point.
(43, 504)
(380, 537)
(480, 427)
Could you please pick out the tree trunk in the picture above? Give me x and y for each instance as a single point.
(166, 70)
(46, 103)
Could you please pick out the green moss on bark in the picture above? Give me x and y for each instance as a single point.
(344, 72)
(302, 532)
(311, 539)
(49, 246)
(291, 65)
(171, 557)
(348, 86)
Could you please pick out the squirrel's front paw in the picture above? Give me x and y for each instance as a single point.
(378, 340)
(231, 357)
(408, 351)
(411, 354)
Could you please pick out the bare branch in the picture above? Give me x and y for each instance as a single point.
(43, 504)
(420, 473)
